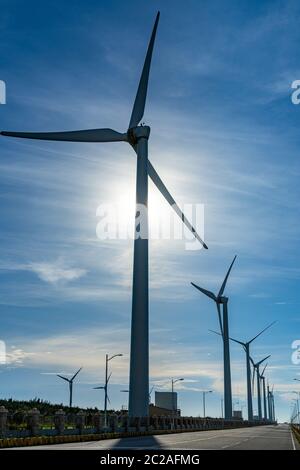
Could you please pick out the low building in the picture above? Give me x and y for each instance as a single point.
(167, 400)
(158, 411)
(237, 414)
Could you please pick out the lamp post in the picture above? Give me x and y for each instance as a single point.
(124, 391)
(222, 408)
(204, 392)
(107, 377)
(174, 381)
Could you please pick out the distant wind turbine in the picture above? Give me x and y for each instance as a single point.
(105, 386)
(246, 347)
(220, 299)
(106, 397)
(137, 136)
(70, 381)
(270, 413)
(263, 380)
(271, 404)
(256, 368)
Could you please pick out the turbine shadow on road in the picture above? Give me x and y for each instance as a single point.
(136, 443)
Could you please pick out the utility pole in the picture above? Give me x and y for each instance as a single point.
(105, 387)
(204, 392)
(174, 381)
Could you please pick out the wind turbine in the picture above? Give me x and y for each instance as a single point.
(220, 299)
(263, 379)
(105, 386)
(106, 397)
(70, 381)
(270, 412)
(137, 136)
(246, 347)
(256, 368)
(273, 404)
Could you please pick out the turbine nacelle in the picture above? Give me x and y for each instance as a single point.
(136, 133)
(222, 300)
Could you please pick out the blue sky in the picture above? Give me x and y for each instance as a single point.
(224, 133)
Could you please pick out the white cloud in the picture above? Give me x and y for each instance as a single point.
(50, 272)
(55, 272)
(17, 356)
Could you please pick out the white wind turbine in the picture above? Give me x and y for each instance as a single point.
(137, 136)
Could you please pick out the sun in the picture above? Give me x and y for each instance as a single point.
(158, 210)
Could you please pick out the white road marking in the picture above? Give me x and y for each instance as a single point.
(231, 445)
(293, 442)
(170, 443)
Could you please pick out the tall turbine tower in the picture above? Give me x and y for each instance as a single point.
(220, 299)
(246, 347)
(137, 136)
(273, 404)
(263, 380)
(256, 368)
(70, 381)
(269, 403)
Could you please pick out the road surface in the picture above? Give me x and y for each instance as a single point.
(256, 438)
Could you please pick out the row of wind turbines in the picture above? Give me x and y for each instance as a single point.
(264, 392)
(137, 136)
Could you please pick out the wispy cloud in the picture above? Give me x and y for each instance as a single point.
(55, 272)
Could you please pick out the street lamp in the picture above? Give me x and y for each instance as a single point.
(174, 381)
(105, 387)
(124, 391)
(204, 392)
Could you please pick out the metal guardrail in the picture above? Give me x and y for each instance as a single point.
(33, 423)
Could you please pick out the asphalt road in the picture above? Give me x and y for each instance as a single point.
(256, 438)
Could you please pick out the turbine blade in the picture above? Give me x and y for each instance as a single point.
(253, 375)
(265, 329)
(260, 362)
(226, 278)
(140, 99)
(209, 294)
(109, 377)
(90, 135)
(220, 318)
(162, 188)
(236, 341)
(108, 399)
(215, 332)
(64, 378)
(76, 374)
(98, 388)
(263, 371)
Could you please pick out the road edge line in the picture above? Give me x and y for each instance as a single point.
(293, 441)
